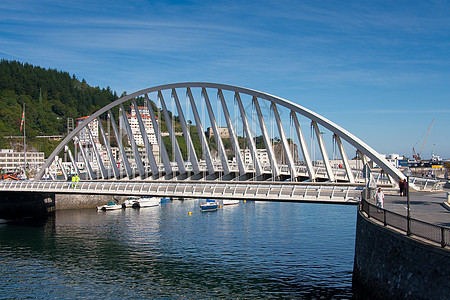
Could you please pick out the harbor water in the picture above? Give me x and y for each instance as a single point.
(250, 250)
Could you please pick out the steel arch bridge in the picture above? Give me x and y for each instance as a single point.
(252, 136)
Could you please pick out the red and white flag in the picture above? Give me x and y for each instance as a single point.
(23, 120)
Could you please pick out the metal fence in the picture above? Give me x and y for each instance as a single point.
(427, 184)
(265, 190)
(410, 226)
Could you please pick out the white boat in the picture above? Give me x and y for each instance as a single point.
(110, 206)
(230, 202)
(147, 202)
(130, 201)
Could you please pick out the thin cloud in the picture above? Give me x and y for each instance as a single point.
(390, 111)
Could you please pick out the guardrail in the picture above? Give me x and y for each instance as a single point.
(275, 191)
(427, 184)
(410, 226)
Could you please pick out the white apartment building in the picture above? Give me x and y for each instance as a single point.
(85, 140)
(11, 161)
(247, 156)
(84, 135)
(134, 124)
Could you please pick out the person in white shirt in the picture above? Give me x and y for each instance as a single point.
(379, 198)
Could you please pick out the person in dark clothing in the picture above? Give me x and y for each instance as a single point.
(405, 188)
(400, 185)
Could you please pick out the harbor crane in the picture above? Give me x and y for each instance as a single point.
(417, 155)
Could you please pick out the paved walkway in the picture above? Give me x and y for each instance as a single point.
(425, 206)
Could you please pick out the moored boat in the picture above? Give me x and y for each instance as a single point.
(110, 206)
(147, 202)
(230, 202)
(209, 205)
(130, 201)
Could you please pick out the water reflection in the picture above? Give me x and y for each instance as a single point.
(246, 250)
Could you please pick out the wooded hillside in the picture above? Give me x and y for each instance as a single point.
(50, 97)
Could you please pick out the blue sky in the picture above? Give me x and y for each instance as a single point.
(380, 69)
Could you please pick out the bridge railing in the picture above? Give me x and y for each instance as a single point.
(265, 190)
(409, 226)
(427, 184)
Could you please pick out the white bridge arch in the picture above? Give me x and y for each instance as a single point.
(287, 153)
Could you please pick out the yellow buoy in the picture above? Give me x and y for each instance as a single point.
(245, 201)
(190, 213)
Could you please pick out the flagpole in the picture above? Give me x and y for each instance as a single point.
(24, 144)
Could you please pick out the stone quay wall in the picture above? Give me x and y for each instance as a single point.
(390, 265)
(82, 201)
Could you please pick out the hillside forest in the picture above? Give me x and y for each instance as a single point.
(50, 97)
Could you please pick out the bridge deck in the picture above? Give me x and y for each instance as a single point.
(274, 191)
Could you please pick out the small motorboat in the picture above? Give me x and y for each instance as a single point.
(146, 202)
(130, 201)
(209, 205)
(230, 202)
(110, 206)
(163, 200)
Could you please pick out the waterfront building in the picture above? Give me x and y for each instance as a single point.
(11, 161)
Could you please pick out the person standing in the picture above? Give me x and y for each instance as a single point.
(400, 185)
(379, 199)
(74, 179)
(405, 188)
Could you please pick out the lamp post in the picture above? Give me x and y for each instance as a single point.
(408, 173)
